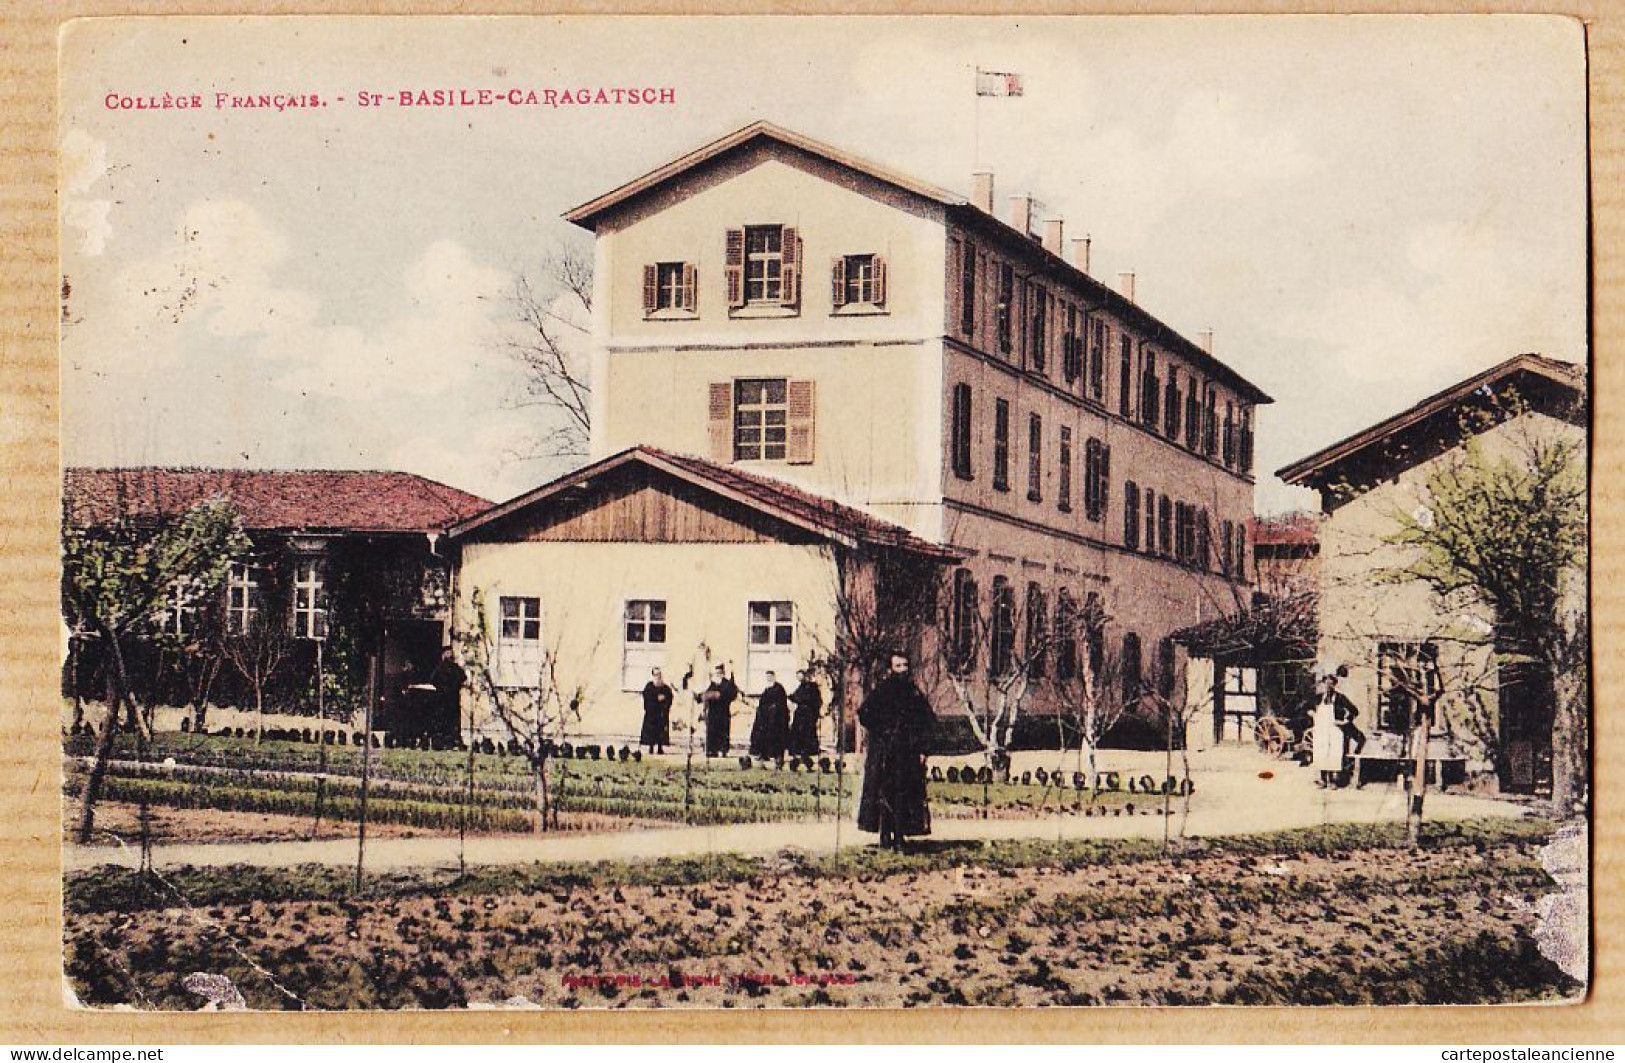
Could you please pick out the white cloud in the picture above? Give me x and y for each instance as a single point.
(83, 163)
(90, 217)
(484, 460)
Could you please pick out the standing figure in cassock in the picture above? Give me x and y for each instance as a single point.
(897, 721)
(657, 698)
(771, 732)
(809, 702)
(717, 701)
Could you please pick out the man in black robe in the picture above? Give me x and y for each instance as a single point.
(809, 702)
(771, 732)
(897, 721)
(657, 696)
(447, 679)
(718, 699)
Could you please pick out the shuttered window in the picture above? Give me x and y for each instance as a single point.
(858, 280)
(1165, 525)
(1037, 328)
(1131, 515)
(763, 420)
(1097, 360)
(1007, 298)
(1035, 458)
(1002, 658)
(669, 286)
(1171, 405)
(1193, 416)
(1063, 490)
(1131, 668)
(1125, 382)
(763, 266)
(1150, 521)
(960, 432)
(1150, 396)
(964, 621)
(967, 291)
(1001, 444)
(1097, 470)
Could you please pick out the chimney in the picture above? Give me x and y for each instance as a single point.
(1125, 285)
(1080, 252)
(1021, 214)
(1204, 340)
(981, 183)
(1052, 235)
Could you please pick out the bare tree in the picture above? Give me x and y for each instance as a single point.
(258, 653)
(554, 317)
(526, 697)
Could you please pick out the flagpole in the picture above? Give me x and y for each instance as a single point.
(976, 119)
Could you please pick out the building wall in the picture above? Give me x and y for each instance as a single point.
(876, 370)
(584, 587)
(1358, 610)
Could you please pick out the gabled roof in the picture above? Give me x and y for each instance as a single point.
(1523, 372)
(588, 213)
(310, 500)
(820, 516)
(956, 206)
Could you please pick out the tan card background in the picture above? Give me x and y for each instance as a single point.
(31, 997)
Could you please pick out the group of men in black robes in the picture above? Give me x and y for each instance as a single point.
(775, 734)
(896, 716)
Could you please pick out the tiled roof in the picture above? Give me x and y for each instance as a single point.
(1288, 529)
(816, 513)
(271, 499)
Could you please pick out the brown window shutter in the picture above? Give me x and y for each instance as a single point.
(880, 280)
(790, 250)
(837, 283)
(721, 420)
(803, 401)
(734, 265)
(690, 287)
(651, 295)
(1105, 479)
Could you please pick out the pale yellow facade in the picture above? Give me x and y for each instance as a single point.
(707, 589)
(1359, 609)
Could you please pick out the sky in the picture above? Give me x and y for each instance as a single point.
(1364, 209)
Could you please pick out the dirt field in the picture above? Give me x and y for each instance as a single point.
(1351, 925)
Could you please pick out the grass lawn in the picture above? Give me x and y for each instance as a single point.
(1342, 914)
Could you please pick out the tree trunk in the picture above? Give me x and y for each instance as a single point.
(98, 767)
(1419, 777)
(1570, 739)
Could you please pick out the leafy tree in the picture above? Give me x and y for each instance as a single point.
(1505, 530)
(119, 579)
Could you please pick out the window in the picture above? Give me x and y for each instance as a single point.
(1037, 335)
(1131, 515)
(179, 615)
(762, 266)
(1150, 399)
(1001, 445)
(1241, 550)
(963, 622)
(1035, 458)
(1150, 521)
(1193, 417)
(1097, 467)
(1093, 620)
(1182, 532)
(859, 280)
(1002, 658)
(1097, 360)
(1230, 434)
(1037, 631)
(961, 432)
(1171, 408)
(309, 600)
(1063, 491)
(669, 286)
(1066, 636)
(761, 420)
(1125, 383)
(519, 642)
(1244, 459)
(1210, 423)
(967, 291)
(1204, 541)
(1407, 677)
(1227, 536)
(242, 598)
(1131, 668)
(772, 645)
(1165, 525)
(1167, 668)
(644, 641)
(1007, 298)
(1071, 347)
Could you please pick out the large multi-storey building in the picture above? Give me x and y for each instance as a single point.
(782, 309)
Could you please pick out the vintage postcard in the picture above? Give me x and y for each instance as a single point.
(580, 513)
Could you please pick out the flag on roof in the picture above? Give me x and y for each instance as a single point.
(995, 83)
